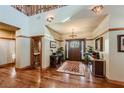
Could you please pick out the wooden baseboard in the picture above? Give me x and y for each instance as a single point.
(115, 82)
(8, 64)
(45, 68)
(24, 68)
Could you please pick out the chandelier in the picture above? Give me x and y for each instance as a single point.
(97, 9)
(73, 35)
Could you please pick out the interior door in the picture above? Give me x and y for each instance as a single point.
(74, 50)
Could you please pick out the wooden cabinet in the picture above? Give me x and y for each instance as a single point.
(98, 68)
(56, 60)
(36, 53)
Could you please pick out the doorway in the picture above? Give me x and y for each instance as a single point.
(36, 52)
(74, 49)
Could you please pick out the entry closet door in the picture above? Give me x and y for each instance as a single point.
(7, 51)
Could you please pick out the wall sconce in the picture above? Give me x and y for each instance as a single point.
(97, 9)
(50, 18)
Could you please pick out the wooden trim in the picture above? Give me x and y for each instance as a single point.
(30, 36)
(41, 53)
(24, 68)
(46, 68)
(32, 51)
(109, 30)
(116, 29)
(37, 36)
(4, 24)
(27, 67)
(68, 40)
(101, 43)
(89, 39)
(75, 39)
(23, 36)
(59, 40)
(7, 38)
(115, 81)
(5, 65)
(97, 36)
(30, 10)
(101, 34)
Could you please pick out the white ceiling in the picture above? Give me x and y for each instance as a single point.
(83, 20)
(78, 25)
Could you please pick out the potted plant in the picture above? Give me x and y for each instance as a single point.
(60, 50)
(87, 55)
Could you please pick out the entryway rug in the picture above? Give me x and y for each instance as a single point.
(72, 67)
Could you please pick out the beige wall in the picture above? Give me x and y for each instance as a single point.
(116, 64)
(55, 34)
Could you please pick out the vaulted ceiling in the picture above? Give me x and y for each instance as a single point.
(30, 10)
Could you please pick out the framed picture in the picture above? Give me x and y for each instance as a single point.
(52, 44)
(120, 40)
(99, 44)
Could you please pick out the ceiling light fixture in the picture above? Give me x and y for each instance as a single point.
(73, 35)
(65, 20)
(97, 9)
(50, 18)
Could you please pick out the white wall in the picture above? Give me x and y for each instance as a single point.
(46, 51)
(22, 52)
(116, 65)
(116, 15)
(116, 59)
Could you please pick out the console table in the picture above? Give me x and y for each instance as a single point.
(98, 68)
(56, 60)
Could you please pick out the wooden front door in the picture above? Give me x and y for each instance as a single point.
(74, 50)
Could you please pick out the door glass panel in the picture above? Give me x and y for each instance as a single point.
(74, 44)
(67, 49)
(82, 49)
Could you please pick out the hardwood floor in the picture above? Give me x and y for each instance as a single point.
(35, 78)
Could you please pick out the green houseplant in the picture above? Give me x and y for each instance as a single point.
(87, 54)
